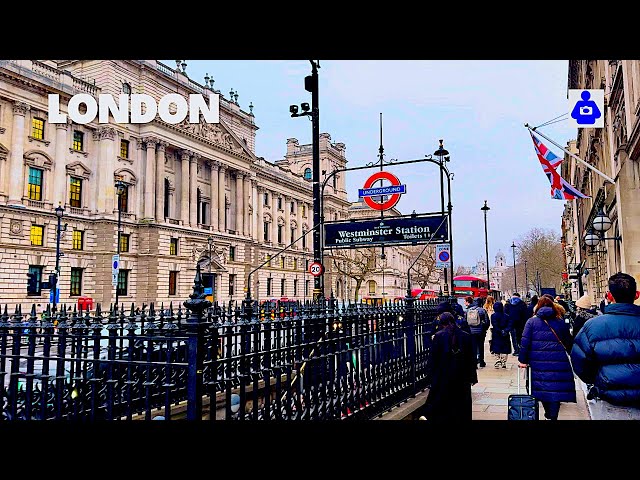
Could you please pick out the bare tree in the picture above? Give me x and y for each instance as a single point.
(424, 272)
(542, 250)
(357, 264)
(461, 270)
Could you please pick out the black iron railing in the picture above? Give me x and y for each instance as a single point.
(289, 361)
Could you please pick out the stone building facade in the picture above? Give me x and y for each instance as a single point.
(614, 150)
(194, 193)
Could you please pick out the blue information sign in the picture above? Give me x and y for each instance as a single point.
(57, 291)
(208, 290)
(409, 230)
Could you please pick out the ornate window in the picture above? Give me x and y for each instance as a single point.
(78, 141)
(35, 184)
(124, 242)
(124, 148)
(283, 284)
(173, 246)
(173, 282)
(123, 202)
(123, 282)
(36, 235)
(269, 287)
(232, 253)
(37, 128)
(295, 287)
(279, 233)
(78, 240)
(75, 192)
(76, 282)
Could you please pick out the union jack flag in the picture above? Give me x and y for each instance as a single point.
(560, 188)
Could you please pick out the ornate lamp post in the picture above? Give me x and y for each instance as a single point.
(59, 213)
(485, 209)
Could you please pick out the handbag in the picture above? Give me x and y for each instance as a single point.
(558, 338)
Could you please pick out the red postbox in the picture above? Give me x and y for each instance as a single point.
(81, 304)
(88, 303)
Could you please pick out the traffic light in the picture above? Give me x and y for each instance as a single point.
(32, 283)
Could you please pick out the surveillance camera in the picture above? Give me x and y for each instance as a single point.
(305, 107)
(293, 109)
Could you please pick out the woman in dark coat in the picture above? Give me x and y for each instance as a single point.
(552, 379)
(500, 335)
(451, 371)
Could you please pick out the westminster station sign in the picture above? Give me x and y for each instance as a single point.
(407, 230)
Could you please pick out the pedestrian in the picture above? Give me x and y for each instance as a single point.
(460, 319)
(531, 307)
(544, 347)
(478, 322)
(605, 353)
(518, 314)
(501, 326)
(584, 311)
(488, 307)
(451, 371)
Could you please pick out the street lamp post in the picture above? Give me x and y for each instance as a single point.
(485, 209)
(442, 154)
(59, 213)
(515, 275)
(311, 85)
(120, 188)
(526, 279)
(210, 244)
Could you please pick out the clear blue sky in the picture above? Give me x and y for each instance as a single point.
(477, 106)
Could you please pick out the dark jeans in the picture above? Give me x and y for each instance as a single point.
(551, 410)
(477, 344)
(515, 339)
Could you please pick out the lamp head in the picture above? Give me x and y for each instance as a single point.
(120, 186)
(591, 238)
(486, 207)
(601, 222)
(294, 110)
(305, 107)
(59, 211)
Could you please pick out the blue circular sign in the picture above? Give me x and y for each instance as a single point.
(443, 256)
(115, 264)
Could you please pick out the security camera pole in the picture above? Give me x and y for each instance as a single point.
(311, 85)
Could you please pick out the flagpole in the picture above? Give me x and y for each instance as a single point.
(606, 177)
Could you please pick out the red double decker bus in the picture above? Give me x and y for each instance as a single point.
(468, 285)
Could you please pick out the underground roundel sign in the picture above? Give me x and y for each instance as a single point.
(393, 191)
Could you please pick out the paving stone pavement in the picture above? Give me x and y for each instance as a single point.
(495, 385)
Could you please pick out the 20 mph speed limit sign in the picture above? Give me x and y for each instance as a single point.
(316, 269)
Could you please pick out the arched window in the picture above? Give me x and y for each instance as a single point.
(307, 174)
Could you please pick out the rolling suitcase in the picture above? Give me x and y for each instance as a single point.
(520, 406)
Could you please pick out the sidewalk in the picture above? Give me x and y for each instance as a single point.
(496, 384)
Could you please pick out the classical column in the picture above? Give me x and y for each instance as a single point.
(193, 190)
(299, 222)
(106, 167)
(60, 168)
(162, 145)
(16, 163)
(255, 218)
(215, 172)
(138, 191)
(259, 217)
(246, 226)
(287, 220)
(149, 177)
(222, 206)
(239, 202)
(184, 186)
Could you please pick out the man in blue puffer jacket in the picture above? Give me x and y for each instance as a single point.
(606, 352)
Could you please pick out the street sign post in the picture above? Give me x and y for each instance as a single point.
(57, 294)
(115, 267)
(443, 255)
(316, 269)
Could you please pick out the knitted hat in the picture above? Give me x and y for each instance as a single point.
(584, 301)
